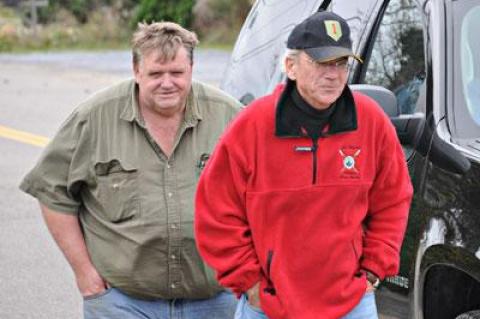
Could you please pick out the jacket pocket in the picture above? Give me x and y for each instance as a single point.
(270, 288)
(117, 189)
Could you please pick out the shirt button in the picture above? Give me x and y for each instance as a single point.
(173, 257)
(173, 226)
(173, 286)
(170, 194)
(168, 165)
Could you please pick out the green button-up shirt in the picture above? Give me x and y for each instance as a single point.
(135, 205)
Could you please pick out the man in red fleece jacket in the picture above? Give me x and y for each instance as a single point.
(303, 205)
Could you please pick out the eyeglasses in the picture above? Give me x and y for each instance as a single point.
(337, 65)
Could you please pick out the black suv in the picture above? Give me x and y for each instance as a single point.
(427, 54)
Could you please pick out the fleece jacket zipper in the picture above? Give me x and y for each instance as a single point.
(314, 154)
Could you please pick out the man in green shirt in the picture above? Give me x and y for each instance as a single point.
(116, 185)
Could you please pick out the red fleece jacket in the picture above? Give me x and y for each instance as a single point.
(260, 218)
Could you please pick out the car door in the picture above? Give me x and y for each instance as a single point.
(423, 51)
(394, 58)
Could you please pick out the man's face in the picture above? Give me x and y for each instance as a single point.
(320, 84)
(164, 85)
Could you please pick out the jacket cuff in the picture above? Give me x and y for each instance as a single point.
(248, 282)
(374, 268)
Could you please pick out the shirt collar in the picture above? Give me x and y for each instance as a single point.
(131, 111)
(193, 112)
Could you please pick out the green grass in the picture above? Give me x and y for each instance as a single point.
(59, 40)
(98, 34)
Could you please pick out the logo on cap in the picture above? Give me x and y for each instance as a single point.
(333, 28)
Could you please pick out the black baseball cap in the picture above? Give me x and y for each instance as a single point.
(324, 36)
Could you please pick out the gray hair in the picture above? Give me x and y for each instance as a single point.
(292, 53)
(289, 54)
(165, 37)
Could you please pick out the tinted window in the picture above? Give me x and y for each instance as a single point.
(357, 16)
(397, 59)
(470, 57)
(466, 61)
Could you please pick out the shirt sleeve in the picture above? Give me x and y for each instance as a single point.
(57, 177)
(389, 204)
(221, 226)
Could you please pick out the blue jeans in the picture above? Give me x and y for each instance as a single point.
(366, 309)
(246, 311)
(113, 304)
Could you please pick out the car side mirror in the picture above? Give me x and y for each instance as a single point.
(409, 127)
(412, 130)
(384, 97)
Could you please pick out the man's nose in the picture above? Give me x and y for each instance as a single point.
(331, 72)
(167, 80)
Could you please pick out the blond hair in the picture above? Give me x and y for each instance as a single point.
(164, 37)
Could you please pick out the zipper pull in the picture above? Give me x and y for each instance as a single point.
(303, 149)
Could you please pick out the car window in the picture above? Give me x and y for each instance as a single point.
(466, 70)
(397, 59)
(470, 57)
(357, 16)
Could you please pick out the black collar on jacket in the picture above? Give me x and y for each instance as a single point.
(343, 118)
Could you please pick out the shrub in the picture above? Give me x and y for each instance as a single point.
(179, 11)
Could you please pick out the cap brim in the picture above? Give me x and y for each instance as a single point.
(325, 54)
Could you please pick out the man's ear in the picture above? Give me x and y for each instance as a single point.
(290, 68)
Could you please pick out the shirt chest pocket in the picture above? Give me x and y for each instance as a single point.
(117, 190)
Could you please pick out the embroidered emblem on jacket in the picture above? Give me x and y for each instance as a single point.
(349, 161)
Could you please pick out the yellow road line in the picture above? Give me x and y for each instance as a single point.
(23, 137)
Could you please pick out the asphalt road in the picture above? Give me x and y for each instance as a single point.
(37, 92)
